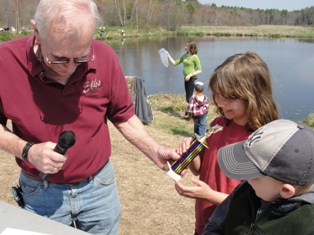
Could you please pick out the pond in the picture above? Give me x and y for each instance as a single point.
(291, 63)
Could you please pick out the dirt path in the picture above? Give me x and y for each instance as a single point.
(149, 201)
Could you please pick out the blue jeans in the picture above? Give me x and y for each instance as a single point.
(200, 124)
(92, 204)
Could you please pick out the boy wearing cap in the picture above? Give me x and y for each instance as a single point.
(277, 161)
(198, 108)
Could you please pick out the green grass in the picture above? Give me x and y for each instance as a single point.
(310, 120)
(270, 31)
(168, 111)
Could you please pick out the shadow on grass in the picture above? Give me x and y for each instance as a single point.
(171, 112)
(181, 132)
(175, 124)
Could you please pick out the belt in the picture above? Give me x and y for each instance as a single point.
(45, 181)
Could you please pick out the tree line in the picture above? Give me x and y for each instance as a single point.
(169, 14)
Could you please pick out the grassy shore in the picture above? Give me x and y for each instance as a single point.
(168, 110)
(271, 31)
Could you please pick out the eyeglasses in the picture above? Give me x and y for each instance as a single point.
(64, 60)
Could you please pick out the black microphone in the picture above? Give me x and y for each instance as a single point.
(65, 141)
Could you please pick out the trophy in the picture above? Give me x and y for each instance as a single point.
(197, 145)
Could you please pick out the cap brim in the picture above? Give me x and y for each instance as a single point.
(235, 164)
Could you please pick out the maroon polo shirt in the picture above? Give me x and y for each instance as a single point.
(41, 108)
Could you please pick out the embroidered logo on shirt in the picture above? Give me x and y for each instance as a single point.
(92, 86)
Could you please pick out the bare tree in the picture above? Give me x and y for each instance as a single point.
(17, 18)
(136, 3)
(169, 14)
(150, 11)
(121, 17)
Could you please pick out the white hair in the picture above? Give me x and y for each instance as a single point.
(51, 12)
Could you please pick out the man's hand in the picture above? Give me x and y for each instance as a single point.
(45, 159)
(165, 154)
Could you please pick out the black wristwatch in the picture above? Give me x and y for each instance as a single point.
(25, 151)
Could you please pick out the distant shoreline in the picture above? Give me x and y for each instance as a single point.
(272, 31)
(268, 31)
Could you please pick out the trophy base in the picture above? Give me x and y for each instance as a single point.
(172, 174)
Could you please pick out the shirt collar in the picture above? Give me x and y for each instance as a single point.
(34, 65)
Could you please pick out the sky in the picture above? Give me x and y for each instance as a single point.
(289, 5)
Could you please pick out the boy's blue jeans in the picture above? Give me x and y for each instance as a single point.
(200, 124)
(93, 204)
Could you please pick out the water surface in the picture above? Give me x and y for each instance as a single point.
(291, 63)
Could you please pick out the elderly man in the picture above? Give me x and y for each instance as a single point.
(61, 79)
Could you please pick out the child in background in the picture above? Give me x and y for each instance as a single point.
(242, 92)
(278, 197)
(198, 108)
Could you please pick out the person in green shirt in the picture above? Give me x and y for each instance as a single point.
(191, 67)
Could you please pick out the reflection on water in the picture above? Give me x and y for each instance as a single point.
(290, 61)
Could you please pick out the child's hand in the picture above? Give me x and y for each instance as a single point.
(200, 191)
(184, 145)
